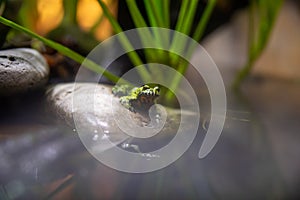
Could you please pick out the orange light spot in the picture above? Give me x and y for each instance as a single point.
(50, 14)
(89, 12)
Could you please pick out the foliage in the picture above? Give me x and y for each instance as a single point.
(263, 12)
(262, 16)
(158, 15)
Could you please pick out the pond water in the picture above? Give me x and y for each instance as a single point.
(257, 155)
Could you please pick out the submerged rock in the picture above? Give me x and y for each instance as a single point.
(22, 70)
(92, 109)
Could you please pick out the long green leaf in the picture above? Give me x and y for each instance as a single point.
(155, 16)
(166, 12)
(268, 11)
(145, 36)
(153, 20)
(125, 42)
(70, 12)
(204, 20)
(201, 26)
(186, 16)
(182, 66)
(183, 25)
(156, 20)
(135, 13)
(62, 49)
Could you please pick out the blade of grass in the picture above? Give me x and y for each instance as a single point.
(62, 49)
(155, 17)
(175, 81)
(159, 5)
(204, 20)
(183, 25)
(2, 6)
(156, 20)
(166, 12)
(136, 14)
(96, 25)
(178, 27)
(28, 14)
(154, 7)
(251, 31)
(125, 42)
(186, 16)
(201, 26)
(145, 36)
(251, 45)
(268, 11)
(182, 67)
(70, 11)
(139, 21)
(100, 19)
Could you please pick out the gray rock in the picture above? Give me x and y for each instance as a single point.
(95, 110)
(21, 70)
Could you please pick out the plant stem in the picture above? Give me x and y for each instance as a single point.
(175, 82)
(183, 25)
(182, 67)
(242, 74)
(145, 36)
(166, 12)
(155, 8)
(204, 20)
(143, 72)
(156, 20)
(156, 12)
(96, 25)
(70, 10)
(267, 10)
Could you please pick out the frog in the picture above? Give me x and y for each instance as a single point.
(137, 99)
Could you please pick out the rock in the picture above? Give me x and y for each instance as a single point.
(22, 70)
(104, 114)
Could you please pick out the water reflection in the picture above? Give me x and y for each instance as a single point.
(257, 156)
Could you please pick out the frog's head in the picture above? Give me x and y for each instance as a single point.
(156, 90)
(147, 90)
(142, 98)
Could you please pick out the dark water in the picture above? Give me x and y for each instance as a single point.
(257, 155)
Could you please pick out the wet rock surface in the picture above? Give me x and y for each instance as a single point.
(96, 110)
(22, 70)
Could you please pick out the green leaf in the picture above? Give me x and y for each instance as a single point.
(62, 49)
(125, 42)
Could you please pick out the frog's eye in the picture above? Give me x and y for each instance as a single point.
(145, 87)
(156, 90)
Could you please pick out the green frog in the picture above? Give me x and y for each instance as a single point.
(137, 98)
